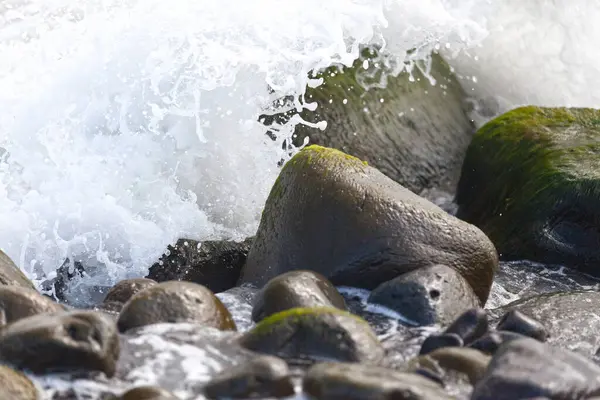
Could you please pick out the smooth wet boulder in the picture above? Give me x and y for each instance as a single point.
(315, 334)
(11, 275)
(293, 290)
(468, 362)
(439, 341)
(531, 182)
(19, 302)
(331, 213)
(340, 381)
(568, 318)
(147, 393)
(262, 377)
(119, 294)
(69, 341)
(527, 368)
(413, 131)
(15, 385)
(214, 264)
(492, 341)
(175, 302)
(430, 295)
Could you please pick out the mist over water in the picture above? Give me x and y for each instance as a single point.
(128, 124)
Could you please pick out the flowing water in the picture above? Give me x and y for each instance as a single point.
(127, 124)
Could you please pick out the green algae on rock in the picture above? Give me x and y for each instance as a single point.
(331, 213)
(531, 182)
(320, 333)
(413, 131)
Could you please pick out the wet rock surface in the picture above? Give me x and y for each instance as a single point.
(308, 334)
(296, 289)
(11, 275)
(330, 211)
(527, 368)
(19, 302)
(435, 294)
(175, 302)
(337, 381)
(147, 393)
(15, 385)
(69, 341)
(214, 264)
(261, 377)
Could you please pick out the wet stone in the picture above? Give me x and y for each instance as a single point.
(341, 381)
(470, 325)
(69, 341)
(11, 275)
(468, 362)
(214, 264)
(527, 368)
(430, 295)
(175, 302)
(490, 342)
(436, 341)
(19, 302)
(515, 321)
(296, 289)
(15, 385)
(303, 335)
(261, 377)
(147, 393)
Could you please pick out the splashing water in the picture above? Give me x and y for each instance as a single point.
(125, 125)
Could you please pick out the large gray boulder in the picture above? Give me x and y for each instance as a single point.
(331, 213)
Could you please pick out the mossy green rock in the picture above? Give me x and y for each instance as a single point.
(531, 182)
(331, 213)
(11, 275)
(16, 386)
(414, 132)
(315, 334)
(69, 341)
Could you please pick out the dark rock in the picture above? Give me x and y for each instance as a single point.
(434, 342)
(147, 393)
(119, 294)
(531, 181)
(566, 316)
(315, 334)
(11, 275)
(16, 386)
(417, 136)
(331, 213)
(430, 295)
(470, 325)
(175, 302)
(69, 341)
(337, 381)
(469, 362)
(262, 377)
(515, 321)
(296, 289)
(214, 264)
(527, 368)
(492, 341)
(59, 285)
(20, 302)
